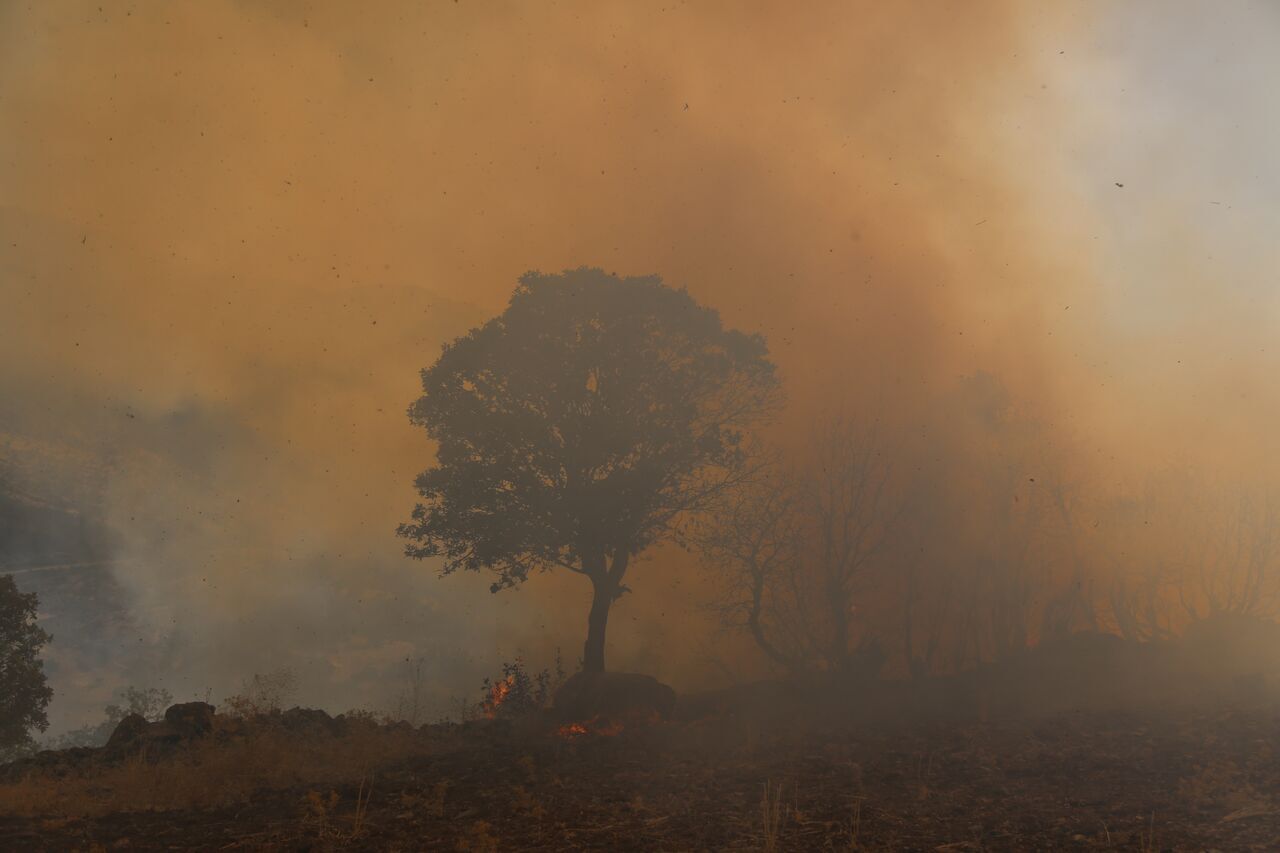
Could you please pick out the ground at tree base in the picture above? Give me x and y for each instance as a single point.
(1191, 779)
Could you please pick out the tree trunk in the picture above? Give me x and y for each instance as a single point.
(606, 585)
(838, 656)
(755, 624)
(597, 622)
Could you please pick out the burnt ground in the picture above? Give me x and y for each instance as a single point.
(1190, 779)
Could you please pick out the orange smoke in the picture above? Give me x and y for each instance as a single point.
(235, 232)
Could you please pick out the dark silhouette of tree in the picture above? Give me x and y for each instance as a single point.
(796, 546)
(1187, 550)
(579, 427)
(24, 695)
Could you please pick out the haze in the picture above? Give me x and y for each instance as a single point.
(233, 233)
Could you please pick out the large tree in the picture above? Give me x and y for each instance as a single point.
(24, 695)
(579, 427)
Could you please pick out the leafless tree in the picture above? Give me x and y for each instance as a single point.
(1184, 551)
(795, 549)
(754, 542)
(1231, 563)
(1135, 543)
(1007, 545)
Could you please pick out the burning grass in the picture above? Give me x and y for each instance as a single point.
(606, 726)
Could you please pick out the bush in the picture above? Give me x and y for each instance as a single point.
(24, 692)
(518, 691)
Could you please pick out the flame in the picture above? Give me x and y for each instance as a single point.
(571, 731)
(498, 694)
(593, 726)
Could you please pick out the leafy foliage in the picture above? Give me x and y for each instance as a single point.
(578, 421)
(578, 427)
(24, 693)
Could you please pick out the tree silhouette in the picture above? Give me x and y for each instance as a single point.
(579, 427)
(796, 546)
(24, 695)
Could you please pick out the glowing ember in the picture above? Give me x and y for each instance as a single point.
(594, 726)
(498, 694)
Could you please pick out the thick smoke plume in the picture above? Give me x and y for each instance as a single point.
(234, 232)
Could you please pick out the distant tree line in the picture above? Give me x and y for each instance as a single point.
(973, 546)
(599, 416)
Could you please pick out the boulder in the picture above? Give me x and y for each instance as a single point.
(181, 724)
(613, 694)
(127, 733)
(311, 721)
(190, 719)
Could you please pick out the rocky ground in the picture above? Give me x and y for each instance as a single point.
(1194, 778)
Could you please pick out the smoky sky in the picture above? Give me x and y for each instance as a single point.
(233, 233)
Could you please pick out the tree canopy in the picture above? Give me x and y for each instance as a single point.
(576, 428)
(24, 695)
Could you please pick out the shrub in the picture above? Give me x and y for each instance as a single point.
(24, 693)
(518, 691)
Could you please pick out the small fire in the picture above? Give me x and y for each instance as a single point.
(571, 731)
(498, 694)
(593, 726)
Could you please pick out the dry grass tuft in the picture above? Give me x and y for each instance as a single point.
(216, 771)
(771, 814)
(855, 823)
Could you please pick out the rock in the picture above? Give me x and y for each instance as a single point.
(310, 720)
(613, 694)
(127, 733)
(181, 724)
(190, 719)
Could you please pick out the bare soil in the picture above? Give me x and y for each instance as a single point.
(1163, 779)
